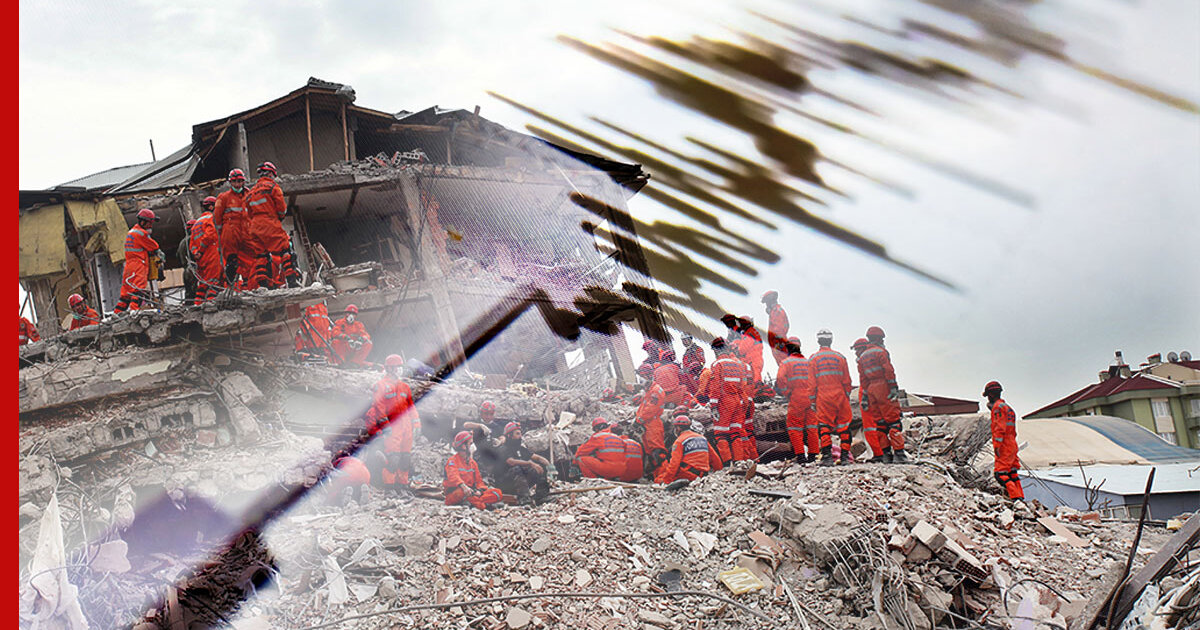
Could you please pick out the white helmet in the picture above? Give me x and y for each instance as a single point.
(824, 332)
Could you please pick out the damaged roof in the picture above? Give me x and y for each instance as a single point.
(1108, 387)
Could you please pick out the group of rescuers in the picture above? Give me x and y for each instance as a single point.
(817, 389)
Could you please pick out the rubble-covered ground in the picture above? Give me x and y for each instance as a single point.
(849, 544)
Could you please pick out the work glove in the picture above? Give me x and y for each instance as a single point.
(894, 393)
(866, 404)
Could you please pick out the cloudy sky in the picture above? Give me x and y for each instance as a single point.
(1105, 259)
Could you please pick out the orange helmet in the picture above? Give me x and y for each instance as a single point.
(75, 300)
(463, 437)
(393, 360)
(237, 173)
(874, 333)
(992, 386)
(146, 214)
(208, 202)
(599, 423)
(267, 167)
(350, 308)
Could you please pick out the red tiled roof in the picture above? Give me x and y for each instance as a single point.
(1113, 385)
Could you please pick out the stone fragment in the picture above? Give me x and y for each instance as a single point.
(655, 619)
(582, 578)
(929, 536)
(919, 553)
(541, 544)
(536, 582)
(517, 618)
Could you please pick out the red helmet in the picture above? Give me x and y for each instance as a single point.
(729, 318)
(770, 296)
(874, 332)
(681, 419)
(718, 344)
(860, 343)
(510, 427)
(75, 300)
(208, 201)
(647, 344)
(487, 408)
(146, 214)
(267, 167)
(237, 173)
(608, 393)
(393, 360)
(350, 308)
(463, 437)
(599, 423)
(992, 386)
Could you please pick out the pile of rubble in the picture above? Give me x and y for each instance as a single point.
(854, 546)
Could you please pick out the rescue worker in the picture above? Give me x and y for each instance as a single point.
(26, 331)
(794, 382)
(634, 465)
(521, 472)
(603, 454)
(609, 395)
(777, 327)
(81, 314)
(206, 253)
(831, 397)
(670, 377)
(183, 251)
(462, 480)
(486, 454)
(692, 363)
(649, 416)
(351, 343)
(692, 456)
(1004, 442)
(653, 352)
(139, 247)
(394, 414)
(731, 323)
(232, 223)
(275, 265)
(728, 389)
(878, 379)
(870, 415)
(315, 336)
(749, 346)
(349, 481)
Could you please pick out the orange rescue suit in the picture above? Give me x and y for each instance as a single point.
(232, 222)
(649, 415)
(603, 455)
(461, 469)
(139, 246)
(794, 381)
(394, 414)
(89, 318)
(878, 379)
(633, 459)
(691, 458)
(26, 332)
(777, 330)
(831, 393)
(1004, 444)
(268, 240)
(728, 385)
(749, 348)
(315, 334)
(205, 250)
(342, 332)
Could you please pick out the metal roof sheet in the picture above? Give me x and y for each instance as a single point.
(1129, 479)
(106, 178)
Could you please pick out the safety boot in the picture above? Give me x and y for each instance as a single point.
(900, 457)
(847, 458)
(827, 456)
(883, 458)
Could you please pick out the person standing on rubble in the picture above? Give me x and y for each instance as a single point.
(870, 416)
(830, 399)
(670, 377)
(749, 347)
(206, 253)
(649, 416)
(275, 264)
(777, 327)
(462, 480)
(351, 343)
(394, 414)
(693, 363)
(1004, 442)
(692, 456)
(603, 454)
(26, 331)
(81, 314)
(139, 247)
(794, 382)
(233, 233)
(521, 472)
(877, 378)
(728, 391)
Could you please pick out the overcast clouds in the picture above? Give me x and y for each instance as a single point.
(1107, 259)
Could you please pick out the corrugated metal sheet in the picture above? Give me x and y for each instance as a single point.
(42, 243)
(106, 179)
(173, 170)
(1127, 480)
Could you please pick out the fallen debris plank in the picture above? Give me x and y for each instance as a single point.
(1162, 563)
(1055, 527)
(776, 494)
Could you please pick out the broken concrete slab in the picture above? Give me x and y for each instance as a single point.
(930, 536)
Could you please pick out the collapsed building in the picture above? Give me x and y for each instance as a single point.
(428, 222)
